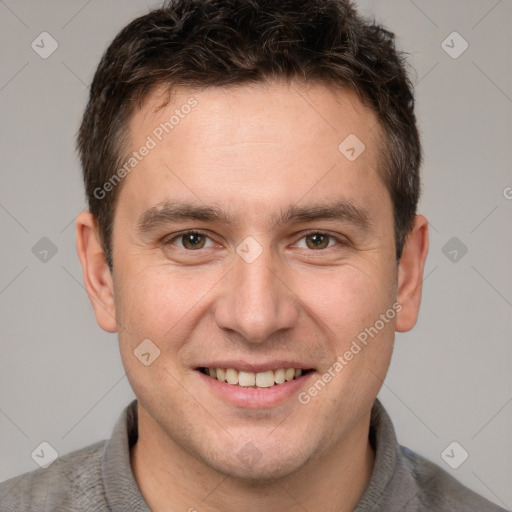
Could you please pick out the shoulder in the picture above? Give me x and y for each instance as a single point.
(404, 480)
(73, 482)
(437, 490)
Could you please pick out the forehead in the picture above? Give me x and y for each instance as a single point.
(266, 142)
(255, 113)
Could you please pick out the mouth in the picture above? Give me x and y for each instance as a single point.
(256, 380)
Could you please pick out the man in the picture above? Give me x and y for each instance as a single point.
(252, 172)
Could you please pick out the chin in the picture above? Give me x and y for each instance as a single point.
(254, 466)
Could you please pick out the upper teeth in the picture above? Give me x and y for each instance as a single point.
(260, 379)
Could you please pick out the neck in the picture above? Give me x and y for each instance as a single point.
(172, 479)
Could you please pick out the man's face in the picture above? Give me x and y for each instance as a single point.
(267, 283)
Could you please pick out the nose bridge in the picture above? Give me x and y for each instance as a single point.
(255, 302)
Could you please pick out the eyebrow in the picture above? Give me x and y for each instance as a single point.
(174, 212)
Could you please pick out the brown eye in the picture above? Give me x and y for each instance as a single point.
(191, 240)
(317, 241)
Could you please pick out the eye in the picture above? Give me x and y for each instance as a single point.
(317, 240)
(190, 240)
(194, 240)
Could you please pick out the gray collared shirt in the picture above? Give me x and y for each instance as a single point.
(100, 478)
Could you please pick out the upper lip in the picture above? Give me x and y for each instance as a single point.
(255, 367)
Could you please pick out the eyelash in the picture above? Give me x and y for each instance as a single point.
(340, 241)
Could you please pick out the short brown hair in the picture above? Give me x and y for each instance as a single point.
(202, 43)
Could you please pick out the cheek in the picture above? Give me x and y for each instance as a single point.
(347, 299)
(166, 304)
(157, 306)
(161, 304)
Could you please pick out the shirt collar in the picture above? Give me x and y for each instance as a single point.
(387, 455)
(121, 488)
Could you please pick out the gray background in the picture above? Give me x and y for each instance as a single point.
(61, 379)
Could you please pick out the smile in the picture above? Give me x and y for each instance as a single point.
(266, 379)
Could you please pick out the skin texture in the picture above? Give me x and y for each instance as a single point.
(254, 151)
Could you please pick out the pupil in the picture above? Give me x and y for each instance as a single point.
(193, 240)
(318, 240)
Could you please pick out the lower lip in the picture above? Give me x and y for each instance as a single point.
(256, 398)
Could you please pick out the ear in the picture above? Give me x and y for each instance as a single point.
(97, 277)
(410, 274)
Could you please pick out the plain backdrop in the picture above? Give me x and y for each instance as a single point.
(61, 379)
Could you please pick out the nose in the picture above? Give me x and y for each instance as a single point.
(255, 300)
